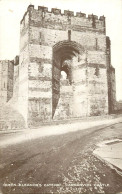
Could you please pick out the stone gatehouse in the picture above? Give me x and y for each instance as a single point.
(64, 66)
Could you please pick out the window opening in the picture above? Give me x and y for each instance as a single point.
(97, 71)
(69, 35)
(96, 43)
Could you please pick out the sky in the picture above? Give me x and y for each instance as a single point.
(12, 11)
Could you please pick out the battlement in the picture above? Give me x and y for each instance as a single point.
(42, 8)
(66, 12)
(56, 11)
(79, 14)
(41, 11)
(16, 60)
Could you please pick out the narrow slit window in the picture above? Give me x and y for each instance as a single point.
(96, 43)
(40, 37)
(69, 35)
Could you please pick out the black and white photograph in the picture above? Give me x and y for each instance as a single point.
(60, 96)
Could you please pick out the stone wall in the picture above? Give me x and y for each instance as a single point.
(97, 91)
(111, 79)
(6, 80)
(47, 40)
(64, 108)
(58, 21)
(10, 80)
(52, 43)
(119, 106)
(16, 81)
(112, 90)
(23, 67)
(79, 78)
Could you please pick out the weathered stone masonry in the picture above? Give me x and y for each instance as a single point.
(52, 43)
(6, 80)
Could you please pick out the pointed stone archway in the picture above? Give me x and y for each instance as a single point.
(63, 54)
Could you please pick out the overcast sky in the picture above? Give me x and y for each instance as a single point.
(12, 11)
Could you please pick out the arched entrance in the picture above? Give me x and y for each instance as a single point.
(64, 54)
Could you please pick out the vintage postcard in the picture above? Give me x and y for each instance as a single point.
(60, 96)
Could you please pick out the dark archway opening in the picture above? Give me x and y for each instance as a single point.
(63, 53)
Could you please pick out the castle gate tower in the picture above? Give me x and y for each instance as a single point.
(63, 66)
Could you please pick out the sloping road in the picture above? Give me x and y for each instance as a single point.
(64, 160)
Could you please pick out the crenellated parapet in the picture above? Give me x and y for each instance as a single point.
(56, 17)
(79, 14)
(56, 11)
(68, 13)
(42, 8)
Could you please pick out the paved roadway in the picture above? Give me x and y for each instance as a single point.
(60, 163)
(111, 152)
